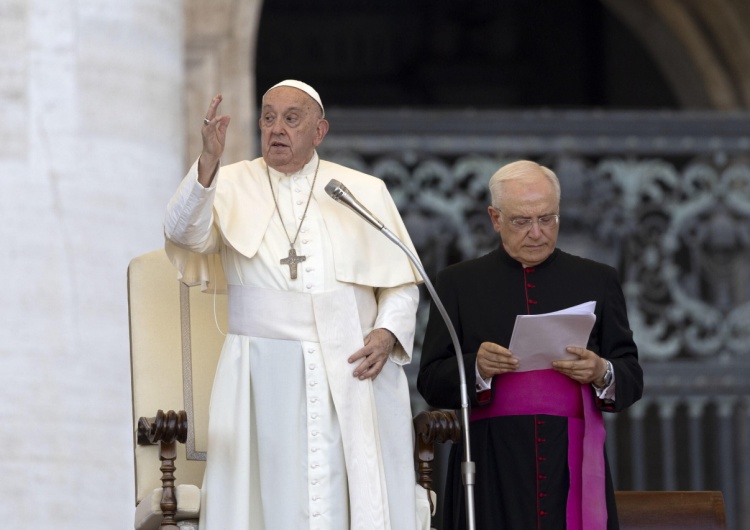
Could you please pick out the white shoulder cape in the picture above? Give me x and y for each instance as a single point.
(243, 208)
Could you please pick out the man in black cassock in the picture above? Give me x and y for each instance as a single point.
(537, 437)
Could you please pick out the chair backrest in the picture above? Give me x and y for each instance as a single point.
(174, 349)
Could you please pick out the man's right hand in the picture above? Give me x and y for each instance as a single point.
(214, 135)
(493, 359)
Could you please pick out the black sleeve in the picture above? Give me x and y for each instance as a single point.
(438, 380)
(618, 347)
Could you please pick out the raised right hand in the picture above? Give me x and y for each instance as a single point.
(214, 135)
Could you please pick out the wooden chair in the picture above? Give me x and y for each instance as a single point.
(174, 349)
(637, 510)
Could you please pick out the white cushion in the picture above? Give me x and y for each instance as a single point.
(424, 514)
(148, 514)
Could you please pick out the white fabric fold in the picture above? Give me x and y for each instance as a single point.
(331, 319)
(243, 207)
(272, 409)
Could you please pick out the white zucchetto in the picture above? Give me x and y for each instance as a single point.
(304, 87)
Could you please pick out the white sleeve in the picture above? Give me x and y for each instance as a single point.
(397, 312)
(481, 382)
(607, 393)
(189, 220)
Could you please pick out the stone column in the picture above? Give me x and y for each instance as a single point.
(220, 43)
(91, 148)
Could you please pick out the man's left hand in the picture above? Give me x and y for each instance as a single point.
(588, 368)
(378, 346)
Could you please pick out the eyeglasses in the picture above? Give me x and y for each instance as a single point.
(523, 224)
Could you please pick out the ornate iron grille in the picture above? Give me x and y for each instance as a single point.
(663, 197)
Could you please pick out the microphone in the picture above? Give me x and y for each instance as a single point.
(468, 469)
(341, 194)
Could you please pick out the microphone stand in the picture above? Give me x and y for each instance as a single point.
(468, 468)
(340, 193)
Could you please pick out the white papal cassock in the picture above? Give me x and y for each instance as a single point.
(293, 436)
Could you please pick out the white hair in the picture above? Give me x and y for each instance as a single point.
(522, 169)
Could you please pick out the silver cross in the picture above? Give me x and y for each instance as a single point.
(292, 261)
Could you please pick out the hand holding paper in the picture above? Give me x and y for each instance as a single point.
(493, 359)
(538, 340)
(587, 367)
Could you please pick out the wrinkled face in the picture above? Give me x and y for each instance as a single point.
(528, 198)
(291, 128)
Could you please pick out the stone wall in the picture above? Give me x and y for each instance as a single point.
(91, 147)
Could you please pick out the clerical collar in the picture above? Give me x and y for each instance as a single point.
(515, 263)
(307, 170)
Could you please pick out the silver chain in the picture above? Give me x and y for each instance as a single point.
(304, 214)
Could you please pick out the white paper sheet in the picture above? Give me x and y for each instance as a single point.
(538, 340)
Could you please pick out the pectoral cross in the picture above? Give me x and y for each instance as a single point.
(292, 261)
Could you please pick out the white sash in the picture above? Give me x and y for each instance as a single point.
(332, 320)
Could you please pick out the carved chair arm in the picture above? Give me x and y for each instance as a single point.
(166, 429)
(431, 427)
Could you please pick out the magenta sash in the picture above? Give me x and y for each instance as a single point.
(549, 392)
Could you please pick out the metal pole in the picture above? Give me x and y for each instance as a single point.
(468, 468)
(340, 193)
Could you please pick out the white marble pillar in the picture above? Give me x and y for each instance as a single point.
(91, 148)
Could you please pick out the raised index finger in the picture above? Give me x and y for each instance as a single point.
(213, 107)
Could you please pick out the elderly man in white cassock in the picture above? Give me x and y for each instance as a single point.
(310, 418)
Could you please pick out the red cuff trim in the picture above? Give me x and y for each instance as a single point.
(484, 396)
